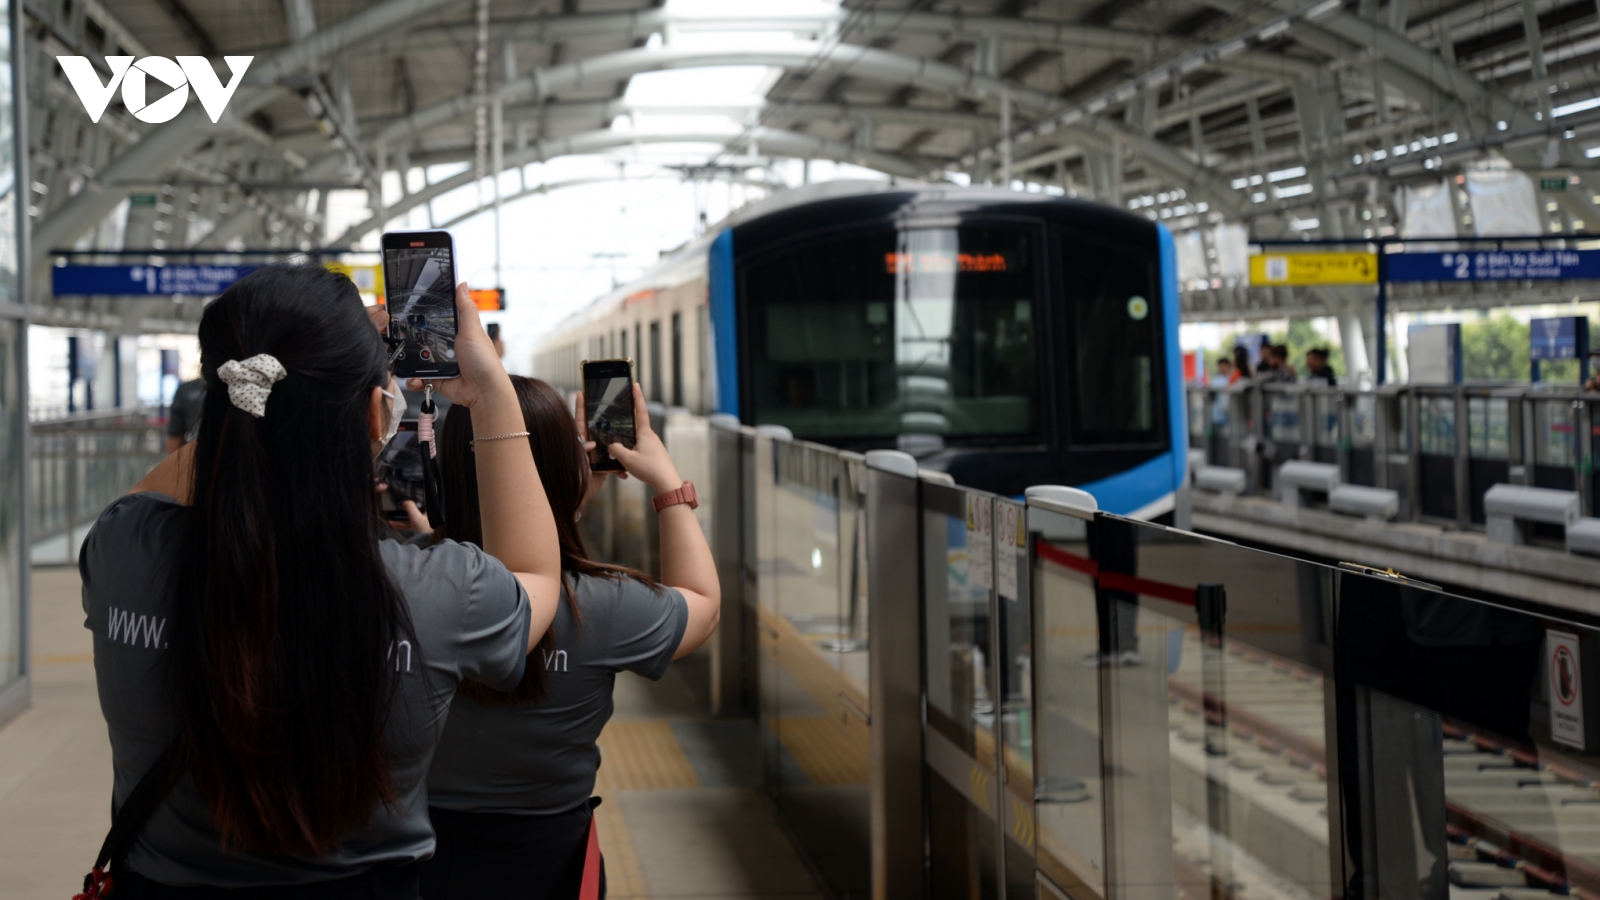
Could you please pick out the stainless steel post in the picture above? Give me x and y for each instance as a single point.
(895, 675)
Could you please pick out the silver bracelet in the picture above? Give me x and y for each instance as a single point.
(473, 444)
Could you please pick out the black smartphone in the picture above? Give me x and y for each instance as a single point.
(400, 467)
(608, 408)
(419, 281)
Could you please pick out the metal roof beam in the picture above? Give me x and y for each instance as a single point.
(191, 129)
(771, 141)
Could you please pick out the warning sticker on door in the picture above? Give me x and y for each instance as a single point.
(1566, 688)
(1006, 549)
(980, 543)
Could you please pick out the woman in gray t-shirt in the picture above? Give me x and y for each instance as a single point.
(509, 790)
(249, 616)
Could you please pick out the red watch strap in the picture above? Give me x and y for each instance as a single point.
(682, 494)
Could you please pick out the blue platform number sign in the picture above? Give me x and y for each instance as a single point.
(145, 281)
(1494, 265)
(1553, 339)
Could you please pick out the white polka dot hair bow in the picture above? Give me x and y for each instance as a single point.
(250, 381)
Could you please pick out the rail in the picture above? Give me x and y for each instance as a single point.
(76, 466)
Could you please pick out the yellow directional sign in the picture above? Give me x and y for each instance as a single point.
(1269, 269)
(368, 278)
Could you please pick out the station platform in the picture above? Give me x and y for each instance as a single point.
(682, 817)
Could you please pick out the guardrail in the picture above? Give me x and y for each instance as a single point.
(962, 695)
(76, 466)
(1439, 448)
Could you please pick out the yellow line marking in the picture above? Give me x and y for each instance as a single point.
(50, 659)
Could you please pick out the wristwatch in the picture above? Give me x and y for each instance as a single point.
(683, 494)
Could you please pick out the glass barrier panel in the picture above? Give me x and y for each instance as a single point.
(822, 705)
(1213, 736)
(1466, 749)
(1197, 417)
(1488, 449)
(1283, 416)
(1363, 421)
(13, 555)
(1326, 426)
(1555, 443)
(1069, 787)
(1436, 443)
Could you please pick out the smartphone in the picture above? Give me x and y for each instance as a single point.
(400, 467)
(608, 408)
(419, 281)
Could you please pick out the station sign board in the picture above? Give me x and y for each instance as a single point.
(1286, 269)
(489, 299)
(1555, 338)
(1494, 265)
(368, 278)
(145, 281)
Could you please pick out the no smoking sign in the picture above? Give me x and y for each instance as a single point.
(1566, 688)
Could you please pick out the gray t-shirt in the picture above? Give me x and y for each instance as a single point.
(541, 759)
(471, 619)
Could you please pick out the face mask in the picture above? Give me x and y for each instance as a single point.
(396, 407)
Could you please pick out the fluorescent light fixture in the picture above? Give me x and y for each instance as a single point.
(1293, 190)
(1258, 197)
(1239, 183)
(1273, 30)
(1286, 174)
(1255, 179)
(1323, 8)
(1568, 109)
(1450, 138)
(1591, 153)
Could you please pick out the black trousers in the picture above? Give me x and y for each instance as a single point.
(501, 855)
(381, 882)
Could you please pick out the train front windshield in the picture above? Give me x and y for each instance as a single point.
(869, 335)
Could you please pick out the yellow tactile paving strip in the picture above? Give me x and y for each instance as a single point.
(644, 756)
(824, 750)
(634, 756)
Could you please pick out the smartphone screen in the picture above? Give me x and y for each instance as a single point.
(400, 467)
(608, 409)
(419, 278)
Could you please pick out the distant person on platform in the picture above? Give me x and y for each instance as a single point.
(494, 337)
(1319, 372)
(1224, 373)
(183, 418)
(1275, 364)
(1593, 384)
(1241, 365)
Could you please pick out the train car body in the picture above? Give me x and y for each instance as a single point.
(1006, 338)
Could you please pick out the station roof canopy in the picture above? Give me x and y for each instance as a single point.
(1288, 117)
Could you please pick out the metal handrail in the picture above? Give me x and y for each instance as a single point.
(79, 464)
(1238, 432)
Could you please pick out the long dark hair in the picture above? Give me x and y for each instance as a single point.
(564, 471)
(1241, 362)
(285, 614)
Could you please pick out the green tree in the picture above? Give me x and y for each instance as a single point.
(1494, 349)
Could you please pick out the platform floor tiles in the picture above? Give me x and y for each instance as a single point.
(682, 817)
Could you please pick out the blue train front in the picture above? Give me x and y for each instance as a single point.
(1008, 339)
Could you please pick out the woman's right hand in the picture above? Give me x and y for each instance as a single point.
(481, 369)
(648, 461)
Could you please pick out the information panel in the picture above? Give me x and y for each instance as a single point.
(1494, 265)
(1313, 268)
(145, 281)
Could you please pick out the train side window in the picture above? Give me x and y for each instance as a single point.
(1112, 297)
(873, 335)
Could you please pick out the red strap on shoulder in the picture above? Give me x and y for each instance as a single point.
(590, 887)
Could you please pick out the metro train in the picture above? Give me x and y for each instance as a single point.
(1005, 338)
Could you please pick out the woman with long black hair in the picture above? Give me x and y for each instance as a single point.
(254, 626)
(509, 790)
